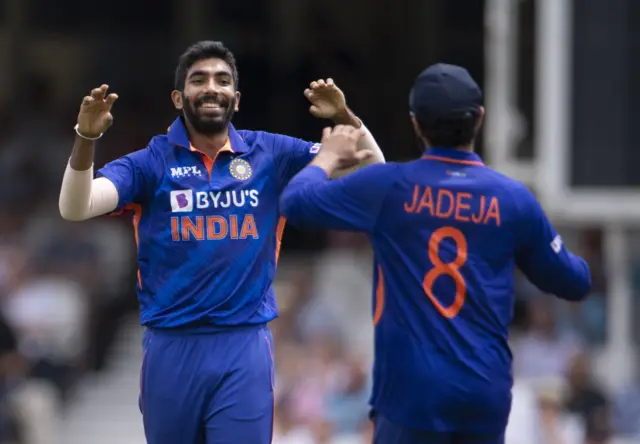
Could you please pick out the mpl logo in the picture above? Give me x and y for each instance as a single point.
(181, 201)
(315, 148)
(187, 171)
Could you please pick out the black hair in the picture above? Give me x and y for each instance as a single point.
(451, 131)
(206, 49)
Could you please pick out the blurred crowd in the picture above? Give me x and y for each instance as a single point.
(65, 287)
(323, 345)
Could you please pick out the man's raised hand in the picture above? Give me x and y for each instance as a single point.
(95, 116)
(327, 100)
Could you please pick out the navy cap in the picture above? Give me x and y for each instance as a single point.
(442, 90)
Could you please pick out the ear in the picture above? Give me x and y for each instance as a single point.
(237, 108)
(176, 98)
(480, 118)
(418, 131)
(416, 126)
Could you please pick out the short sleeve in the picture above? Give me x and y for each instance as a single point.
(132, 176)
(292, 155)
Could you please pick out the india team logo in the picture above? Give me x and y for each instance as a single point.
(240, 169)
(181, 201)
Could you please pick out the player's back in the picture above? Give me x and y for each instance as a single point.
(447, 240)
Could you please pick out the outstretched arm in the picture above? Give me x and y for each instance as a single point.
(350, 203)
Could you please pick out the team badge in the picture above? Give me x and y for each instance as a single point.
(240, 169)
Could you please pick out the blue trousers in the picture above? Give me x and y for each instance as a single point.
(207, 388)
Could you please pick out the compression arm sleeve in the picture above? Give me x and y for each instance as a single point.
(83, 197)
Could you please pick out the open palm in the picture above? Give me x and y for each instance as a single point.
(95, 116)
(326, 99)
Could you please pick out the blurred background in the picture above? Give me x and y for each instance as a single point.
(561, 110)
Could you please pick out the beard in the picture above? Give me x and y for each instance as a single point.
(209, 124)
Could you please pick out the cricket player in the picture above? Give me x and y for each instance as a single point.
(207, 225)
(447, 233)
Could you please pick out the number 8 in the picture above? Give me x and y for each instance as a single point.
(449, 268)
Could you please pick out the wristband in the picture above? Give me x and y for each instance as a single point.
(83, 136)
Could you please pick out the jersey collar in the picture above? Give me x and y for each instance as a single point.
(453, 156)
(177, 135)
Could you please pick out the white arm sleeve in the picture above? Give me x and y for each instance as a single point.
(83, 197)
(367, 142)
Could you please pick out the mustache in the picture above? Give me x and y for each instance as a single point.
(219, 100)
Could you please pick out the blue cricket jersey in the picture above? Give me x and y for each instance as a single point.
(447, 233)
(208, 230)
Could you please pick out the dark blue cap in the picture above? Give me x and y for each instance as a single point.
(442, 90)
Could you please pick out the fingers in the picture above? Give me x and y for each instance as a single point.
(340, 142)
(326, 133)
(310, 95)
(363, 155)
(355, 133)
(98, 95)
(340, 129)
(321, 84)
(315, 111)
(348, 131)
(111, 98)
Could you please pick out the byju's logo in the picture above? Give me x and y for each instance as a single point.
(181, 201)
(187, 171)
